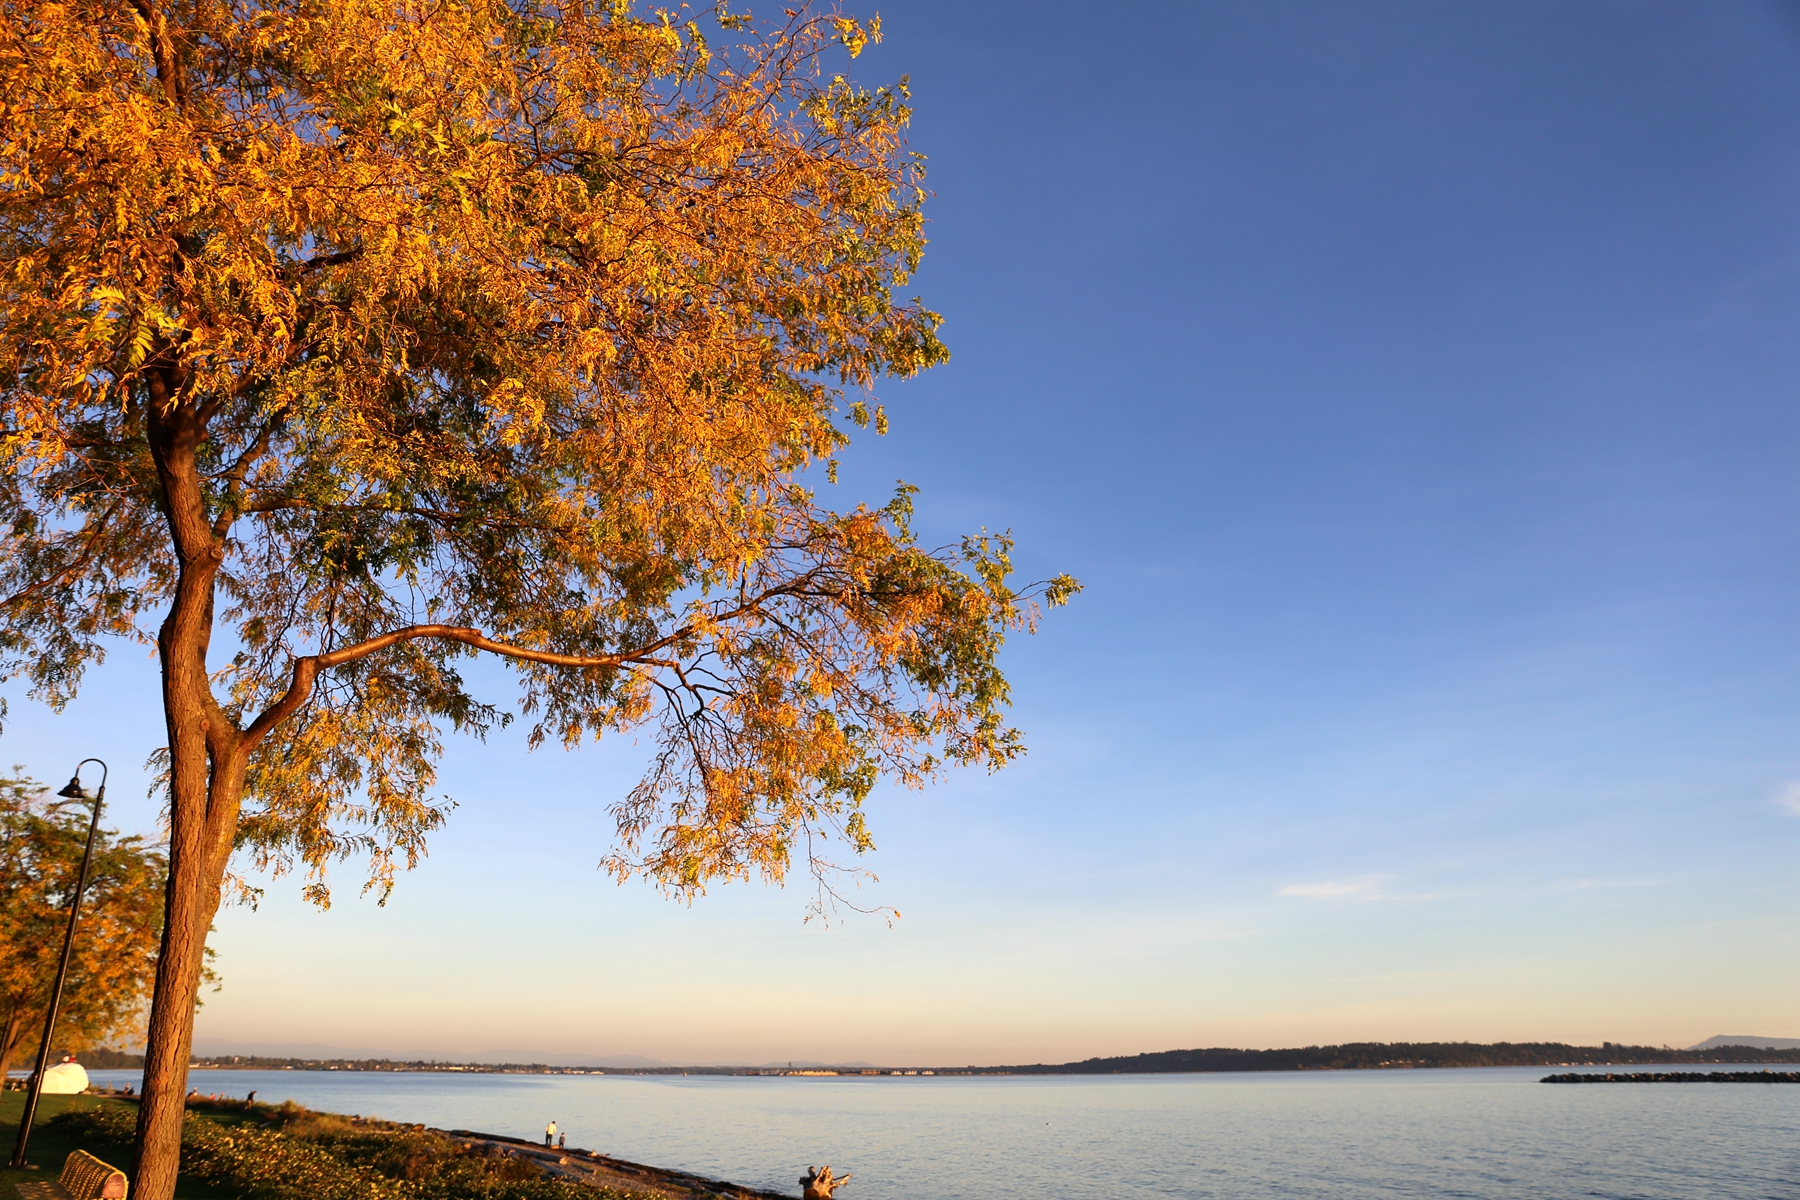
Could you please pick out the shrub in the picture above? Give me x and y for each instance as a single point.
(320, 1156)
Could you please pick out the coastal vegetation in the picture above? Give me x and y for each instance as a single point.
(42, 839)
(287, 1152)
(1401, 1055)
(341, 342)
(293, 1154)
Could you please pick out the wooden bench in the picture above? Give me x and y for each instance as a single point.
(83, 1177)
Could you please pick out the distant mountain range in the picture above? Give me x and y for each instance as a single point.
(1748, 1039)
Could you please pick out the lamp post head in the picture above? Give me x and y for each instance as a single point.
(75, 791)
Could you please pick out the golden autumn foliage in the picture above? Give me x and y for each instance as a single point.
(379, 335)
(110, 972)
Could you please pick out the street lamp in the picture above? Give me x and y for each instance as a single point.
(73, 792)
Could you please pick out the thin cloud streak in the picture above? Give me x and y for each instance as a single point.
(1361, 889)
(1582, 885)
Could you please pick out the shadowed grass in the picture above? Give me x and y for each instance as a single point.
(53, 1140)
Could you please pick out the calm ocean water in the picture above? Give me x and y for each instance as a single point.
(1494, 1134)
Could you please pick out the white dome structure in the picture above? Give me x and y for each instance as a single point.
(65, 1079)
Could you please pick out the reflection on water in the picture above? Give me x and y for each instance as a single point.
(1482, 1134)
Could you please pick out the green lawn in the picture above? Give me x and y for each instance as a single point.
(49, 1148)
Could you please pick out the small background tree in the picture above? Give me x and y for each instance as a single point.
(113, 966)
(375, 334)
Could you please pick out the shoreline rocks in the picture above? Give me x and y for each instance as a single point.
(1677, 1077)
(590, 1166)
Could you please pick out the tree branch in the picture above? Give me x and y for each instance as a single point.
(166, 71)
(234, 478)
(83, 559)
(307, 667)
(480, 641)
(321, 261)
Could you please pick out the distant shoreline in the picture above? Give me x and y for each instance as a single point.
(1358, 1056)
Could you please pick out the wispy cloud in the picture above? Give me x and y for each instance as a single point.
(1366, 888)
(1788, 798)
(1582, 885)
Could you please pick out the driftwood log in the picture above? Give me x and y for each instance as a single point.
(819, 1183)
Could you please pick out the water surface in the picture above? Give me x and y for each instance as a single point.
(1488, 1134)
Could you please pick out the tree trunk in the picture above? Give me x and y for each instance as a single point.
(9, 1041)
(206, 775)
(191, 901)
(819, 1185)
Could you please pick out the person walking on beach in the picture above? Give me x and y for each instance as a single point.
(550, 1133)
(562, 1141)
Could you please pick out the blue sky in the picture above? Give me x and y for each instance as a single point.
(1414, 388)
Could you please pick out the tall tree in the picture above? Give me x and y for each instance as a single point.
(42, 840)
(386, 334)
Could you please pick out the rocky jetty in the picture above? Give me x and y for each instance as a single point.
(1677, 1077)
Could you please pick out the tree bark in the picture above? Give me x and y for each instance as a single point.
(206, 775)
(820, 1184)
(9, 1041)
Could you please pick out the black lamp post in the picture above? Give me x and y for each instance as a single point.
(73, 792)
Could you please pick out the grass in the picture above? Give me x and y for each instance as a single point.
(264, 1152)
(52, 1141)
(48, 1146)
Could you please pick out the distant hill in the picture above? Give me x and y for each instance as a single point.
(1392, 1055)
(1748, 1039)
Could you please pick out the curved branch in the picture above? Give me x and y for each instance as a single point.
(480, 641)
(307, 667)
